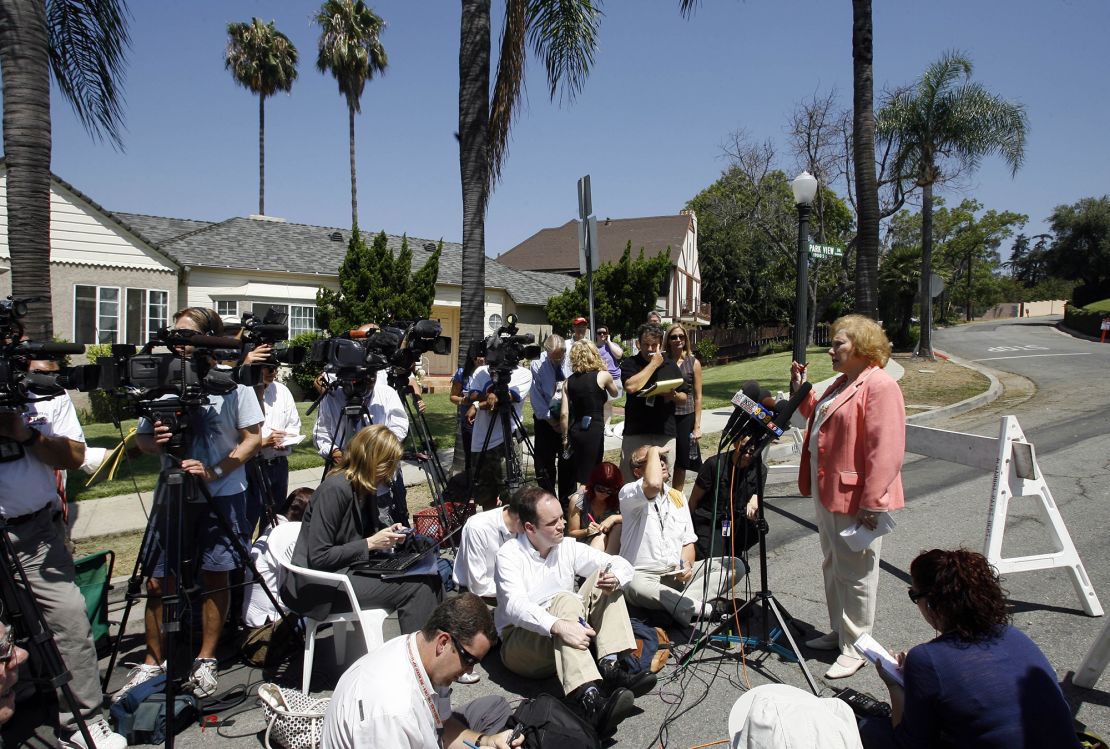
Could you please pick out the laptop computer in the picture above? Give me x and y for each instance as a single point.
(402, 560)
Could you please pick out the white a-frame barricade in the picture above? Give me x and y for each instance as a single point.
(1016, 476)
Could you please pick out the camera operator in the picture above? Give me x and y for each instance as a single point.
(225, 436)
(51, 438)
(490, 482)
(281, 422)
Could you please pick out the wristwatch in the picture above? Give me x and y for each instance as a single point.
(217, 471)
(36, 435)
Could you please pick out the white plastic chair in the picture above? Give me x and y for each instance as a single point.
(370, 621)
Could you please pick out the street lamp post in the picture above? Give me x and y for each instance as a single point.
(805, 188)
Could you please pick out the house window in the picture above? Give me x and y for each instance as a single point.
(227, 310)
(95, 314)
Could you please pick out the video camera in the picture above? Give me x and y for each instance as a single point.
(508, 346)
(272, 330)
(21, 384)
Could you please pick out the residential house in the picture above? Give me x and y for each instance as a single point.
(555, 250)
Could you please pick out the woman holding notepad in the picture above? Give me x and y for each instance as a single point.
(852, 466)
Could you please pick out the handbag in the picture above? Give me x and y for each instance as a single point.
(546, 722)
(293, 720)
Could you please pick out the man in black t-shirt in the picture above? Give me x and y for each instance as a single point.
(726, 525)
(648, 421)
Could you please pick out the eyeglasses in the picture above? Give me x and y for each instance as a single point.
(602, 489)
(916, 595)
(676, 338)
(603, 332)
(469, 659)
(7, 646)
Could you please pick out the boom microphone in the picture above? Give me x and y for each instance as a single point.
(50, 348)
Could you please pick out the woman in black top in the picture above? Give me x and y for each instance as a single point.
(354, 515)
(586, 391)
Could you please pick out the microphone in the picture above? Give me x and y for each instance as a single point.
(50, 348)
(215, 341)
(748, 412)
(782, 417)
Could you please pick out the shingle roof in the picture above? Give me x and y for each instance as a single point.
(556, 249)
(258, 244)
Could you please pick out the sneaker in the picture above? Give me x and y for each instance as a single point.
(469, 678)
(136, 676)
(615, 675)
(604, 713)
(202, 678)
(102, 736)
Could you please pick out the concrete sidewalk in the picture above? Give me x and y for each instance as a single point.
(129, 512)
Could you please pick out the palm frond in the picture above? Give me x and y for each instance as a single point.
(350, 46)
(509, 87)
(260, 58)
(563, 33)
(688, 7)
(88, 47)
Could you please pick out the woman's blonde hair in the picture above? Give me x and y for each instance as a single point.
(584, 357)
(867, 337)
(686, 350)
(371, 458)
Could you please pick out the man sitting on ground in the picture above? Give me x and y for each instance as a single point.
(546, 628)
(399, 695)
(658, 539)
(483, 535)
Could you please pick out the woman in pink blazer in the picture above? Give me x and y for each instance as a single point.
(852, 466)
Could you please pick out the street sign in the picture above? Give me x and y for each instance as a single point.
(936, 285)
(587, 242)
(825, 250)
(585, 199)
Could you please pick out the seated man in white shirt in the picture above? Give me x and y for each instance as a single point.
(398, 696)
(483, 535)
(658, 539)
(546, 628)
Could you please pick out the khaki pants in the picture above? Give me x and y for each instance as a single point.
(851, 579)
(535, 656)
(713, 578)
(631, 442)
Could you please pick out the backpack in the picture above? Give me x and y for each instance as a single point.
(549, 724)
(647, 640)
(140, 716)
(272, 644)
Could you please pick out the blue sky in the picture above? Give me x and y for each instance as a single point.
(664, 94)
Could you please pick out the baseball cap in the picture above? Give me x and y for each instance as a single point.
(580, 321)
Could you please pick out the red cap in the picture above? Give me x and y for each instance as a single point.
(580, 321)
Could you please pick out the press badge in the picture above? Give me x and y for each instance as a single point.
(726, 527)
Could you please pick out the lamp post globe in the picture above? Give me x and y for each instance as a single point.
(804, 187)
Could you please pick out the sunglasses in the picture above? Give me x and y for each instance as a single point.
(916, 595)
(676, 338)
(603, 332)
(469, 659)
(602, 489)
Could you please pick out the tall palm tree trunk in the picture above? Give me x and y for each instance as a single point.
(354, 183)
(474, 63)
(261, 155)
(24, 65)
(863, 156)
(925, 344)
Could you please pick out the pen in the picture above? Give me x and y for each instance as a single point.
(591, 517)
(471, 744)
(582, 622)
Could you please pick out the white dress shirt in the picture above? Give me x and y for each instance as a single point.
(526, 582)
(281, 415)
(27, 484)
(482, 536)
(257, 609)
(382, 403)
(519, 384)
(653, 531)
(386, 700)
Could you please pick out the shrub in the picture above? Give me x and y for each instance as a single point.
(301, 375)
(706, 351)
(102, 404)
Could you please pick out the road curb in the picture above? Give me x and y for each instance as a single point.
(968, 404)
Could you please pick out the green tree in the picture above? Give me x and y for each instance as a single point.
(351, 50)
(1081, 249)
(624, 293)
(263, 61)
(377, 286)
(83, 43)
(563, 34)
(941, 127)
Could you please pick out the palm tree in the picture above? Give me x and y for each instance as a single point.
(262, 60)
(942, 126)
(563, 33)
(83, 44)
(351, 50)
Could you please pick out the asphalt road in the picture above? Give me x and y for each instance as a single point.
(1054, 387)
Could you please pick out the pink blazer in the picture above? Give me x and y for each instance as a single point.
(860, 446)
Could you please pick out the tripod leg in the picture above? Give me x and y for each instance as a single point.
(793, 645)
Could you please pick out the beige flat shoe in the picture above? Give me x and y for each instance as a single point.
(831, 641)
(844, 667)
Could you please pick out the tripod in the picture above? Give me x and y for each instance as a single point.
(763, 599)
(423, 444)
(181, 503)
(508, 421)
(18, 598)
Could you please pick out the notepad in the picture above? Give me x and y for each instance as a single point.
(859, 537)
(660, 387)
(870, 649)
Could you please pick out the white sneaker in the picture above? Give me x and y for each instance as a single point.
(102, 736)
(469, 678)
(137, 676)
(203, 677)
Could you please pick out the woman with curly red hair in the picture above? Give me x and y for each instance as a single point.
(981, 682)
(595, 512)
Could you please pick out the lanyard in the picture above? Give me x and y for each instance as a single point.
(423, 685)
